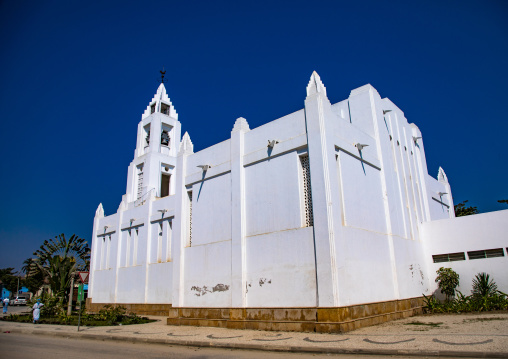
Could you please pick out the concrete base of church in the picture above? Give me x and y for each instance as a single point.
(139, 309)
(322, 320)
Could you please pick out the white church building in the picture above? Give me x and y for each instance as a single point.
(323, 220)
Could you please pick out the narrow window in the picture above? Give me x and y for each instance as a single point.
(159, 242)
(103, 253)
(140, 181)
(128, 248)
(307, 191)
(165, 109)
(165, 185)
(190, 217)
(349, 110)
(167, 239)
(456, 257)
(486, 253)
(152, 108)
(135, 248)
(439, 258)
(476, 254)
(493, 253)
(108, 253)
(450, 257)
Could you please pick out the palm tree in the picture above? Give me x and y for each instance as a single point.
(484, 286)
(34, 278)
(57, 260)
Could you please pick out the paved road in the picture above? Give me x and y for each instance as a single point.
(471, 335)
(20, 346)
(16, 309)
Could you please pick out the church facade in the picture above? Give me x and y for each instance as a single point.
(327, 208)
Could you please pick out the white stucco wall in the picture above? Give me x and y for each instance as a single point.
(208, 275)
(104, 282)
(281, 269)
(130, 285)
(469, 233)
(412, 268)
(211, 210)
(361, 194)
(159, 282)
(282, 129)
(367, 261)
(272, 195)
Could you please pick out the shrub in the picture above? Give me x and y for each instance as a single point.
(483, 286)
(64, 318)
(484, 297)
(111, 314)
(447, 280)
(431, 304)
(52, 306)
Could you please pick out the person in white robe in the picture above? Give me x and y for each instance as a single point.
(5, 303)
(37, 310)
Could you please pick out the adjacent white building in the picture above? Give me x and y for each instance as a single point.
(330, 206)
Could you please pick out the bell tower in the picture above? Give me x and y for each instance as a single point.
(152, 170)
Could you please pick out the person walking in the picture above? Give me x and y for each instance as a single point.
(5, 303)
(37, 311)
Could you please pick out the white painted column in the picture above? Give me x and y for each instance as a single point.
(130, 192)
(121, 243)
(238, 224)
(383, 152)
(180, 222)
(138, 152)
(325, 191)
(148, 243)
(99, 213)
(155, 133)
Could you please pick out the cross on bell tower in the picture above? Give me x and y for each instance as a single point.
(163, 72)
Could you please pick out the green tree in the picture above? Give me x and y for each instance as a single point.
(447, 280)
(34, 278)
(461, 209)
(9, 279)
(56, 261)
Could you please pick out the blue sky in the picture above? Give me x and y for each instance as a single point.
(75, 78)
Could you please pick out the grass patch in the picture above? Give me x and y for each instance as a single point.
(73, 320)
(429, 324)
(105, 317)
(482, 319)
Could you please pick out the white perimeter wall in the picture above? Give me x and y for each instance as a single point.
(469, 233)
